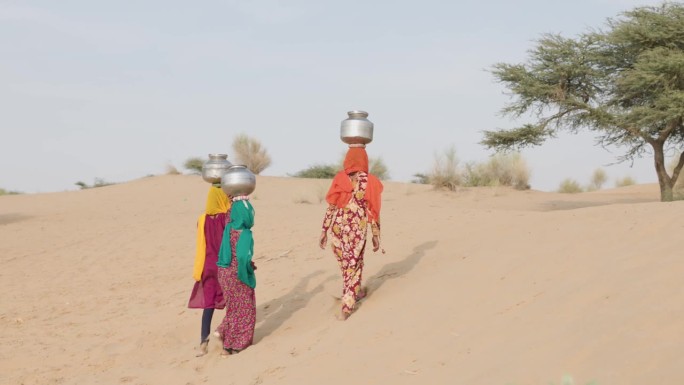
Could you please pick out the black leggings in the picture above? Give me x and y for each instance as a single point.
(207, 314)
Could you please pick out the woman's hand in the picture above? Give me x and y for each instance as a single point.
(324, 240)
(376, 243)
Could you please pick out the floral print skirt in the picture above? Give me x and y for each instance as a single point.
(237, 328)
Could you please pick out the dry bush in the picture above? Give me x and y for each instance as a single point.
(251, 153)
(502, 169)
(445, 172)
(171, 170)
(598, 179)
(569, 186)
(378, 168)
(624, 182)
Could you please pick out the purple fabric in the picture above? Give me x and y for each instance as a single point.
(213, 233)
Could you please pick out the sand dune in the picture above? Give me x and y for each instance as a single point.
(481, 286)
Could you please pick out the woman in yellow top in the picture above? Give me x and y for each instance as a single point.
(206, 293)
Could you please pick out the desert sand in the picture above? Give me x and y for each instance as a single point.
(479, 286)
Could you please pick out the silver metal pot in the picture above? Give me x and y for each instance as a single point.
(356, 129)
(238, 180)
(215, 167)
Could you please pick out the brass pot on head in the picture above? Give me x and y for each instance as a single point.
(357, 129)
(238, 180)
(215, 167)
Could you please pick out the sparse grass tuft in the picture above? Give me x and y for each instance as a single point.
(251, 153)
(445, 172)
(172, 170)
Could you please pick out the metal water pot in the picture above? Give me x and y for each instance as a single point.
(356, 129)
(238, 180)
(215, 167)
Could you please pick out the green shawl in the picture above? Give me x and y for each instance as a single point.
(241, 218)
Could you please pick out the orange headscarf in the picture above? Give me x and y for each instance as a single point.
(340, 192)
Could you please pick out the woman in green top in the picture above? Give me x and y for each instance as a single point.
(237, 279)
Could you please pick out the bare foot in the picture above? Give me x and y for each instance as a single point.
(203, 349)
(342, 315)
(363, 291)
(225, 353)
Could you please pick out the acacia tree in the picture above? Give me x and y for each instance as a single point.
(624, 83)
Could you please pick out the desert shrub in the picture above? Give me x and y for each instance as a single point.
(251, 153)
(98, 182)
(319, 171)
(626, 181)
(569, 186)
(598, 179)
(194, 165)
(445, 172)
(500, 170)
(475, 174)
(9, 192)
(172, 170)
(378, 168)
(420, 178)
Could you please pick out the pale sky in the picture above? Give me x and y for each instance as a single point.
(119, 89)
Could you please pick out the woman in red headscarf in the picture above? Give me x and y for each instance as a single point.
(354, 204)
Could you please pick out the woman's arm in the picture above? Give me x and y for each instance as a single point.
(327, 221)
(375, 230)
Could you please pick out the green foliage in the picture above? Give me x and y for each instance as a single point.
(251, 153)
(99, 182)
(569, 186)
(319, 171)
(598, 179)
(194, 165)
(625, 84)
(624, 182)
(9, 192)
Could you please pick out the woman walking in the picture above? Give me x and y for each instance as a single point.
(354, 204)
(206, 293)
(237, 278)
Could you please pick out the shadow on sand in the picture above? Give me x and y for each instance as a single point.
(397, 269)
(6, 219)
(278, 310)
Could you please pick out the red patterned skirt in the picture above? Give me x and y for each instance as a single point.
(237, 328)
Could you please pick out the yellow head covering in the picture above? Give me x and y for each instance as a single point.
(217, 202)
